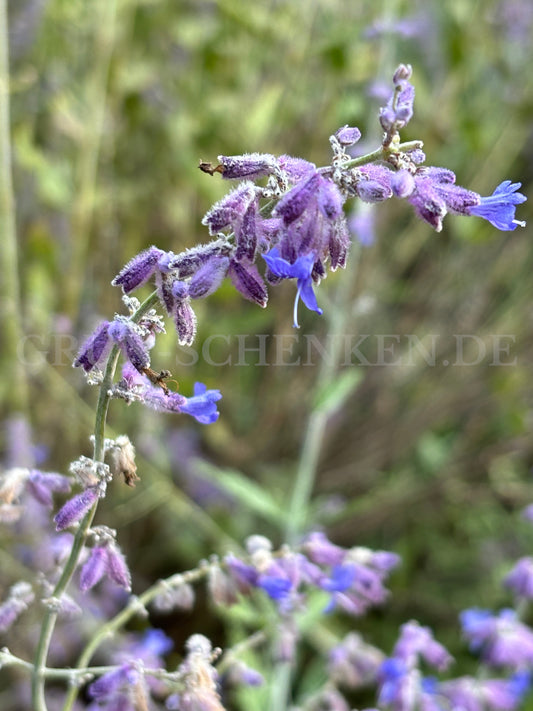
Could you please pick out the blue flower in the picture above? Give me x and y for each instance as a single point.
(499, 208)
(300, 270)
(202, 405)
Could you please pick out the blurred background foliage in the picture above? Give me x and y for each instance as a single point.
(114, 102)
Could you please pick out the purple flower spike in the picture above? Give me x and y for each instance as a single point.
(202, 405)
(402, 184)
(185, 322)
(117, 568)
(226, 212)
(250, 165)
(76, 508)
(94, 568)
(246, 234)
(520, 579)
(330, 200)
(247, 280)
(300, 270)
(94, 349)
(499, 208)
(418, 641)
(208, 278)
(114, 681)
(42, 485)
(130, 343)
(138, 270)
(294, 203)
(20, 598)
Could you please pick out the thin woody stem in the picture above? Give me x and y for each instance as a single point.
(50, 617)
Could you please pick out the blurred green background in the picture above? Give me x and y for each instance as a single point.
(113, 104)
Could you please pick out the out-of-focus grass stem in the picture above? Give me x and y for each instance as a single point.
(105, 13)
(13, 372)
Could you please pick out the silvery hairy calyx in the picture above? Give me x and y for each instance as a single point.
(284, 219)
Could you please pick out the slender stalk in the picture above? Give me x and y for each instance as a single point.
(50, 616)
(318, 420)
(104, 13)
(10, 309)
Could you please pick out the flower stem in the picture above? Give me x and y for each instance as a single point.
(135, 604)
(16, 395)
(50, 617)
(382, 153)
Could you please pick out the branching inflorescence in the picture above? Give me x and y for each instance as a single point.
(290, 225)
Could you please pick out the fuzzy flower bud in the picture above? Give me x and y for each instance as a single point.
(76, 508)
(348, 135)
(249, 165)
(95, 348)
(130, 343)
(138, 270)
(20, 598)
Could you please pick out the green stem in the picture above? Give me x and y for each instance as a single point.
(382, 153)
(319, 418)
(50, 616)
(10, 310)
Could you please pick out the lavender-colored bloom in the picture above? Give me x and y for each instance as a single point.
(339, 244)
(249, 165)
(202, 405)
(348, 135)
(502, 639)
(185, 322)
(246, 233)
(116, 567)
(329, 200)
(130, 343)
(247, 280)
(42, 485)
(527, 513)
(418, 641)
(375, 183)
(244, 575)
(500, 207)
(208, 278)
(520, 579)
(276, 587)
(76, 508)
(188, 262)
(226, 212)
(402, 184)
(301, 270)
(399, 109)
(20, 598)
(298, 199)
(295, 168)
(322, 551)
(94, 568)
(362, 224)
(398, 685)
(436, 193)
(342, 578)
(354, 663)
(95, 348)
(138, 270)
(114, 681)
(481, 694)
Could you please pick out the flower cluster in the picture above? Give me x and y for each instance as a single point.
(353, 578)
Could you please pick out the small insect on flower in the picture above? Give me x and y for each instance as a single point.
(159, 379)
